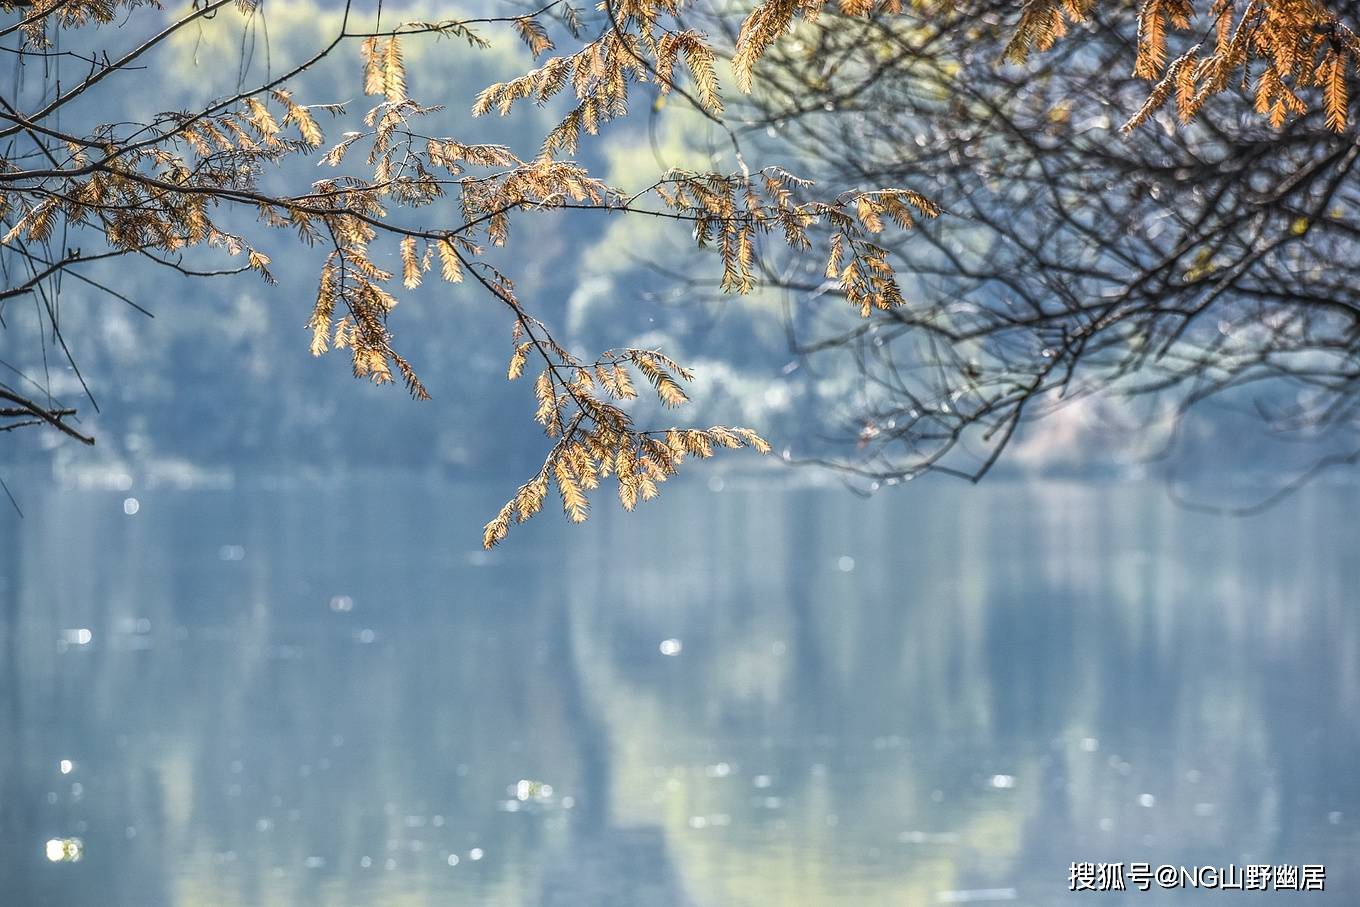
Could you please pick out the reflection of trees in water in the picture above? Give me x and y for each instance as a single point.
(268, 733)
(602, 863)
(47, 574)
(966, 643)
(16, 804)
(1098, 653)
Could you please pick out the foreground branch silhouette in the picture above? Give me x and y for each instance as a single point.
(1095, 244)
(71, 194)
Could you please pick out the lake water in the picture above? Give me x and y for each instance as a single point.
(753, 696)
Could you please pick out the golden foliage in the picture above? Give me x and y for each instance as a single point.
(1041, 24)
(762, 27)
(165, 189)
(1331, 75)
(698, 56)
(1296, 44)
(164, 192)
(535, 37)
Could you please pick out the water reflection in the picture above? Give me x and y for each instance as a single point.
(748, 697)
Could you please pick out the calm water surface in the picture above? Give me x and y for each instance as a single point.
(757, 696)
